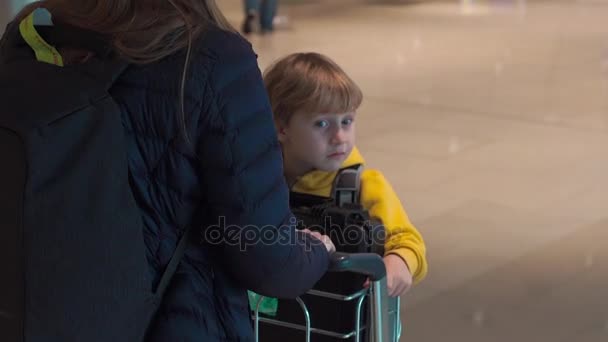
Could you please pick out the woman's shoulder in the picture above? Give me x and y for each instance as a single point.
(218, 40)
(224, 49)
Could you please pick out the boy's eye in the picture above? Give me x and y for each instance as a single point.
(347, 121)
(321, 124)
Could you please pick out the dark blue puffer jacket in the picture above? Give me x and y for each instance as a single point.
(226, 173)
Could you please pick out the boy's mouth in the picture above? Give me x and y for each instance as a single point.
(336, 155)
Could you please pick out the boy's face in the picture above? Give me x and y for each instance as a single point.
(318, 141)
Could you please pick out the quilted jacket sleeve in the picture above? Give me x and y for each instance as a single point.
(244, 184)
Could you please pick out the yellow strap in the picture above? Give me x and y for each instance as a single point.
(43, 50)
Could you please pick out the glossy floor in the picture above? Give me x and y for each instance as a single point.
(490, 118)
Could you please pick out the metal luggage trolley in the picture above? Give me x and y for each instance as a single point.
(383, 322)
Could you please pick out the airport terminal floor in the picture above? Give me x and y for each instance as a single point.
(490, 119)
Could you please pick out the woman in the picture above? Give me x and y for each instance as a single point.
(202, 155)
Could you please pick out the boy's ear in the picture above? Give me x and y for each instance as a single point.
(281, 132)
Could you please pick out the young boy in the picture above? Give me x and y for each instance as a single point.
(314, 104)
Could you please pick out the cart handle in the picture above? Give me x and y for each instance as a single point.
(369, 264)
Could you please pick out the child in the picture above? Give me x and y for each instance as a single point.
(314, 104)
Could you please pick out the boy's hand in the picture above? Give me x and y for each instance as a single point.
(398, 276)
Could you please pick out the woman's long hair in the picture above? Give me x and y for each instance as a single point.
(141, 31)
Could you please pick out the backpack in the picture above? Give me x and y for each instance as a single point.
(341, 215)
(72, 252)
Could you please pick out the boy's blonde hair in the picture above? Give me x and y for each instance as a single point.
(309, 83)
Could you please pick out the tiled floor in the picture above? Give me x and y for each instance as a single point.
(490, 118)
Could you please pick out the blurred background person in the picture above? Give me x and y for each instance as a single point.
(261, 12)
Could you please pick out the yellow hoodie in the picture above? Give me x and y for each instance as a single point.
(379, 198)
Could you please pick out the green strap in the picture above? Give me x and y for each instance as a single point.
(44, 51)
(267, 306)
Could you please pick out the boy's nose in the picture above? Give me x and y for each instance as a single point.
(338, 137)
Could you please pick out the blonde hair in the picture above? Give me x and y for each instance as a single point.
(309, 83)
